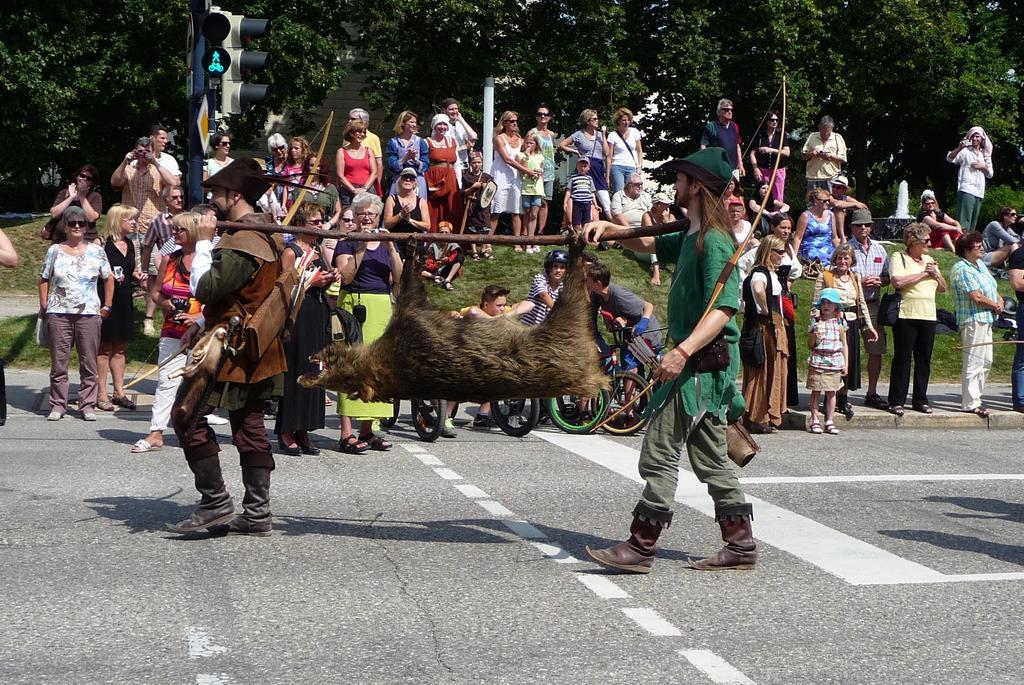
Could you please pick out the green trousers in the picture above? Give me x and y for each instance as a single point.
(659, 460)
(968, 207)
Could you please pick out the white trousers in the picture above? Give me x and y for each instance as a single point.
(166, 388)
(977, 361)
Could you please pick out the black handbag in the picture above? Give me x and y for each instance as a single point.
(889, 308)
(752, 346)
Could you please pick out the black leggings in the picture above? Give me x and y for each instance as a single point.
(912, 338)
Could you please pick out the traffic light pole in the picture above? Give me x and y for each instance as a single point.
(197, 9)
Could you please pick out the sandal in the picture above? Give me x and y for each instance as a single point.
(898, 410)
(437, 281)
(144, 445)
(104, 405)
(376, 442)
(488, 255)
(815, 427)
(831, 429)
(353, 445)
(875, 401)
(979, 411)
(448, 286)
(123, 402)
(923, 408)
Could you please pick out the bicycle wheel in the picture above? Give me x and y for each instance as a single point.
(428, 418)
(625, 384)
(568, 414)
(387, 423)
(516, 417)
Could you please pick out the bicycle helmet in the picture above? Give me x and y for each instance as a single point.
(1009, 306)
(556, 257)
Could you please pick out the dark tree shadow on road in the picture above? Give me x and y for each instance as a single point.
(991, 509)
(1013, 554)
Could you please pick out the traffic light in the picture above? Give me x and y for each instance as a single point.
(226, 59)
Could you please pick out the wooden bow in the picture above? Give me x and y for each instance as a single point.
(312, 172)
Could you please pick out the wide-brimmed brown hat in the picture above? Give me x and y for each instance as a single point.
(244, 175)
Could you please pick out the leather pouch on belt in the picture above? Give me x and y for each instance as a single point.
(273, 317)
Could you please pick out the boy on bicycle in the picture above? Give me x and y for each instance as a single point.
(626, 309)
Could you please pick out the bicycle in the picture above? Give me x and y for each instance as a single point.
(427, 417)
(573, 414)
(516, 417)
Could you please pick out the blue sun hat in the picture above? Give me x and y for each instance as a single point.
(830, 295)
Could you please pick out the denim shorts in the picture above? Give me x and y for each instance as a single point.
(532, 201)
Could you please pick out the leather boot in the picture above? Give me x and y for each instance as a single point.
(256, 518)
(635, 555)
(215, 505)
(740, 551)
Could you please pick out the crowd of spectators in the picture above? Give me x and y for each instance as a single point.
(437, 184)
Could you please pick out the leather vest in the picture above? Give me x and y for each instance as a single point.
(266, 249)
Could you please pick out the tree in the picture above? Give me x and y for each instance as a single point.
(82, 80)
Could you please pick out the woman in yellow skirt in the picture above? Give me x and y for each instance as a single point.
(368, 272)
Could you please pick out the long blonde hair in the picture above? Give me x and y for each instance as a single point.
(715, 216)
(505, 116)
(763, 257)
(115, 215)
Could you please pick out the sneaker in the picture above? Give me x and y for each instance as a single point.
(55, 415)
(88, 416)
(483, 422)
(215, 420)
(147, 326)
(449, 429)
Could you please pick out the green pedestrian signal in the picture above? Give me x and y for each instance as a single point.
(216, 62)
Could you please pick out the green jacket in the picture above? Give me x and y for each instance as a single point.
(693, 281)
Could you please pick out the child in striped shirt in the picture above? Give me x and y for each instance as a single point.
(582, 193)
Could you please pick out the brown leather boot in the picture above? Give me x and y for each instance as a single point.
(215, 504)
(635, 555)
(740, 551)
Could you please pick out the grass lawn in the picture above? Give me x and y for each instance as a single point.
(512, 270)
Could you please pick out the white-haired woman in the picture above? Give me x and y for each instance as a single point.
(274, 165)
(368, 273)
(73, 310)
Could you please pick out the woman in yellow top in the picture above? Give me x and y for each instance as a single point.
(917, 278)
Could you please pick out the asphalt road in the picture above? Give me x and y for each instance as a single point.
(886, 556)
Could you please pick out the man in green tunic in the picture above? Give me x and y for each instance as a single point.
(693, 408)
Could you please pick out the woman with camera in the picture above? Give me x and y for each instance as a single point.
(368, 272)
(170, 290)
(301, 409)
(119, 327)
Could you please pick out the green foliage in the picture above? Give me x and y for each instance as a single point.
(997, 197)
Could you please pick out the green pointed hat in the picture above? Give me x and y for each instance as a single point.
(710, 166)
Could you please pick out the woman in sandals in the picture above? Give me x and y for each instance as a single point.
(368, 272)
(977, 302)
(119, 328)
(827, 361)
(170, 291)
(917, 278)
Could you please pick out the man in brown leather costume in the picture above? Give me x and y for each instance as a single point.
(232, 281)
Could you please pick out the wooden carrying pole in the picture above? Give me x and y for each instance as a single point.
(623, 233)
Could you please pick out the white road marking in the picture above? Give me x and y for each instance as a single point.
(200, 644)
(494, 508)
(212, 679)
(881, 478)
(447, 474)
(523, 529)
(555, 553)
(651, 621)
(429, 459)
(471, 491)
(601, 586)
(715, 667)
(846, 557)
(411, 447)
